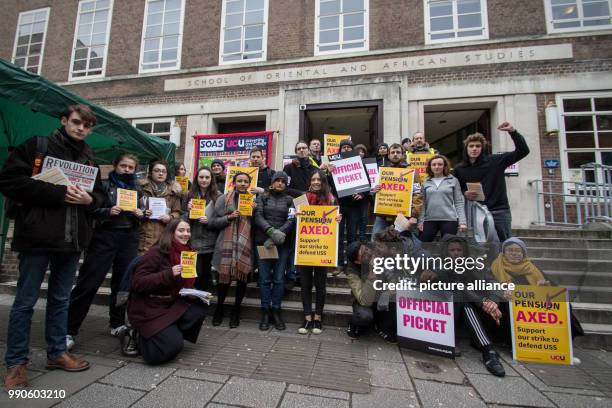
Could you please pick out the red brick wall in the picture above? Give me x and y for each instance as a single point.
(396, 23)
(523, 17)
(290, 29)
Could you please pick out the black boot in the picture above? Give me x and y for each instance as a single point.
(235, 317)
(264, 324)
(218, 316)
(352, 331)
(278, 321)
(491, 361)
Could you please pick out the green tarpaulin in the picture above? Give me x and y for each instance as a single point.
(32, 105)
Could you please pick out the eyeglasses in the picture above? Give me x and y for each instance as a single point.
(159, 171)
(79, 122)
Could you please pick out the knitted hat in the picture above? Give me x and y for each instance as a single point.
(516, 241)
(280, 175)
(219, 162)
(382, 145)
(346, 142)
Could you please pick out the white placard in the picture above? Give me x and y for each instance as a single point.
(350, 176)
(372, 170)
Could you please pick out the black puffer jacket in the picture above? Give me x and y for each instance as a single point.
(43, 221)
(272, 211)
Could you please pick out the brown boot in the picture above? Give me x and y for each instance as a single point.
(16, 377)
(67, 362)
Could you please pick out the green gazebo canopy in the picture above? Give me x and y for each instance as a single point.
(32, 105)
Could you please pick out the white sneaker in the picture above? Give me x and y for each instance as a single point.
(116, 332)
(69, 342)
(576, 361)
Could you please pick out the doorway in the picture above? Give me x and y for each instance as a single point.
(363, 120)
(445, 130)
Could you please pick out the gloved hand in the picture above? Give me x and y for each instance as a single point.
(277, 236)
(269, 244)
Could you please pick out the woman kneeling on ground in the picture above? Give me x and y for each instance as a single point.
(162, 319)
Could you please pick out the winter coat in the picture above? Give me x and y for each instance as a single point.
(272, 211)
(124, 220)
(264, 177)
(150, 230)
(489, 171)
(444, 202)
(299, 172)
(362, 289)
(203, 237)
(154, 303)
(43, 220)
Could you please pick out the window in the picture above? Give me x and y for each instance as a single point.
(30, 39)
(576, 15)
(587, 133)
(341, 26)
(160, 127)
(244, 30)
(455, 20)
(91, 38)
(162, 35)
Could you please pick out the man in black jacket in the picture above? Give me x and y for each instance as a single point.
(264, 178)
(52, 227)
(300, 170)
(488, 170)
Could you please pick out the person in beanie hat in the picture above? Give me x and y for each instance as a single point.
(218, 168)
(274, 220)
(346, 142)
(382, 154)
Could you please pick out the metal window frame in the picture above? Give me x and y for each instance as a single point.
(172, 121)
(550, 22)
(264, 43)
(366, 31)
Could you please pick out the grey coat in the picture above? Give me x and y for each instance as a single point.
(444, 202)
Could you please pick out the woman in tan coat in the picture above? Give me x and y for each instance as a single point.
(157, 184)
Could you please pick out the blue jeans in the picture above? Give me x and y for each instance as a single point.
(272, 278)
(32, 268)
(503, 224)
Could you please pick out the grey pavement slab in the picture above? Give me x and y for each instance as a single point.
(179, 392)
(282, 366)
(384, 352)
(234, 361)
(389, 375)
(138, 376)
(385, 398)
(321, 392)
(508, 390)
(354, 353)
(292, 400)
(340, 375)
(428, 367)
(568, 376)
(201, 375)
(101, 395)
(572, 401)
(251, 393)
(435, 394)
(472, 363)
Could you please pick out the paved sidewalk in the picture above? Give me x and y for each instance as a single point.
(247, 368)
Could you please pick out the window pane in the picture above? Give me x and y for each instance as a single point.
(576, 105)
(576, 159)
(329, 47)
(441, 36)
(86, 18)
(354, 33)
(170, 42)
(20, 62)
(254, 4)
(604, 122)
(33, 60)
(564, 12)
(95, 63)
(153, 31)
(233, 34)
(161, 127)
(150, 56)
(172, 17)
(353, 45)
(254, 17)
(470, 33)
(252, 45)
(440, 8)
(37, 38)
(253, 32)
(22, 51)
(101, 16)
(605, 139)
(169, 55)
(173, 5)
(233, 57)
(352, 5)
(88, 6)
(579, 140)
(97, 52)
(469, 21)
(352, 19)
(233, 20)
(234, 6)
(570, 24)
(329, 36)
(596, 9)
(597, 22)
(329, 22)
(80, 53)
(23, 39)
(145, 127)
(79, 65)
(171, 29)
(468, 6)
(439, 24)
(231, 46)
(606, 158)
(154, 19)
(573, 123)
(151, 44)
(99, 27)
(156, 6)
(603, 104)
(330, 7)
(100, 4)
(98, 39)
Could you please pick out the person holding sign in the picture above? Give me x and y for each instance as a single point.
(273, 225)
(162, 318)
(203, 194)
(265, 173)
(479, 167)
(181, 174)
(53, 225)
(319, 193)
(157, 189)
(299, 170)
(232, 257)
(114, 244)
(443, 205)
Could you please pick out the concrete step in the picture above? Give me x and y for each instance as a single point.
(573, 264)
(593, 313)
(559, 232)
(597, 336)
(580, 278)
(590, 294)
(334, 295)
(570, 253)
(548, 242)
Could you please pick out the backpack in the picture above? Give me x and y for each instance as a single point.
(42, 143)
(126, 282)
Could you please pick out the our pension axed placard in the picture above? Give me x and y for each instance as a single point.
(425, 321)
(541, 326)
(79, 174)
(233, 170)
(316, 236)
(418, 162)
(331, 143)
(350, 176)
(395, 195)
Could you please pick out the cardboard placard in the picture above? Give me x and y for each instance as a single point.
(372, 170)
(418, 162)
(395, 195)
(127, 200)
(188, 262)
(316, 236)
(183, 182)
(245, 204)
(350, 176)
(198, 208)
(331, 143)
(232, 170)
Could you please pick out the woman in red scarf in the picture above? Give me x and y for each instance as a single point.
(162, 319)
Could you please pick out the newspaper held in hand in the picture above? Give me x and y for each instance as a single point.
(401, 223)
(79, 174)
(200, 294)
(53, 176)
(477, 188)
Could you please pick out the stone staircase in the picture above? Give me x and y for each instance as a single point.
(577, 259)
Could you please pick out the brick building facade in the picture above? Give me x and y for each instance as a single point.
(377, 69)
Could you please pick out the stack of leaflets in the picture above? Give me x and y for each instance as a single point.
(205, 297)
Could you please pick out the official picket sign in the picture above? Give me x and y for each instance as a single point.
(425, 322)
(350, 176)
(372, 170)
(316, 236)
(78, 174)
(395, 193)
(541, 324)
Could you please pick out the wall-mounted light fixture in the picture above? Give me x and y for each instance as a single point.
(175, 134)
(552, 119)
